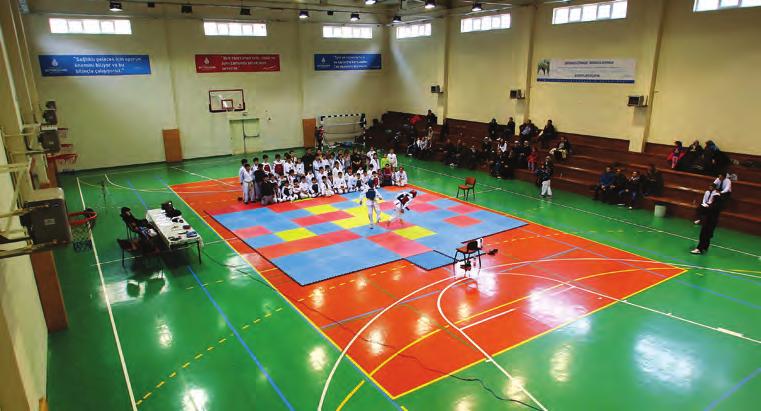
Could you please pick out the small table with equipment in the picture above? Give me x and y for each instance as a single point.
(175, 232)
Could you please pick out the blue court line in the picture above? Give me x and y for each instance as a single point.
(737, 300)
(240, 339)
(733, 389)
(301, 314)
(365, 314)
(137, 193)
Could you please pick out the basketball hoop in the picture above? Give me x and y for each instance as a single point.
(81, 223)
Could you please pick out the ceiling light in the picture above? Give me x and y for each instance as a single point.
(397, 19)
(115, 6)
(354, 17)
(151, 4)
(476, 7)
(429, 4)
(330, 12)
(303, 14)
(370, 2)
(245, 11)
(186, 9)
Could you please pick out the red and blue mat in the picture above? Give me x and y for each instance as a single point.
(316, 239)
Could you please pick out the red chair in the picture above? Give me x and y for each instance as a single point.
(469, 186)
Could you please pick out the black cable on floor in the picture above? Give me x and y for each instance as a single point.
(481, 382)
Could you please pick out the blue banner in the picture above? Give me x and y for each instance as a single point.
(94, 65)
(326, 62)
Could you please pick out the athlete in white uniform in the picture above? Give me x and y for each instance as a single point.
(247, 183)
(373, 198)
(402, 202)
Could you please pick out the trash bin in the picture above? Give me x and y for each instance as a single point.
(659, 210)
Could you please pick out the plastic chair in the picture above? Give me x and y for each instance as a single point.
(469, 186)
(469, 249)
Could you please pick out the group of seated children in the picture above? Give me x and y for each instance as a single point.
(697, 159)
(616, 188)
(290, 178)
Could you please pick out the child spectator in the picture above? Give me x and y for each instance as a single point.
(400, 177)
(544, 177)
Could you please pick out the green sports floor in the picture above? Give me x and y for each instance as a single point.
(690, 343)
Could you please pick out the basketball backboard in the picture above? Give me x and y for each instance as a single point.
(226, 100)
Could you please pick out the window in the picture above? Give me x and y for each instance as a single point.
(347, 32)
(90, 26)
(591, 12)
(707, 5)
(497, 22)
(413, 30)
(224, 28)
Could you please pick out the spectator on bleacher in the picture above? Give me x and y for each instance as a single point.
(531, 160)
(528, 130)
(714, 160)
(709, 197)
(412, 149)
(653, 182)
(430, 118)
(548, 134)
(691, 155)
(724, 184)
(449, 152)
(544, 177)
(487, 149)
(523, 152)
(605, 185)
(562, 150)
(502, 167)
(493, 128)
(429, 134)
(509, 131)
(502, 146)
(632, 191)
(619, 183)
(676, 154)
(469, 157)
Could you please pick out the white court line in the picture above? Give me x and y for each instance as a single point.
(208, 178)
(139, 256)
(489, 318)
(649, 228)
(110, 312)
(478, 347)
(362, 330)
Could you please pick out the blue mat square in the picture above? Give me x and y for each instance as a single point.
(430, 260)
(327, 262)
(324, 228)
(263, 240)
(343, 205)
(365, 230)
(295, 214)
(444, 203)
(243, 219)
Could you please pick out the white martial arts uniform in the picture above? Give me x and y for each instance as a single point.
(247, 184)
(372, 204)
(391, 158)
(400, 178)
(401, 203)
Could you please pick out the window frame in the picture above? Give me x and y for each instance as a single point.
(422, 30)
(582, 13)
(485, 23)
(90, 26)
(225, 28)
(720, 5)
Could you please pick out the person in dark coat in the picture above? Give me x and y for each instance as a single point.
(493, 128)
(653, 182)
(509, 131)
(710, 221)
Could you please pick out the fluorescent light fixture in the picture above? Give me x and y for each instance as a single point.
(370, 2)
(476, 7)
(397, 19)
(429, 4)
(303, 14)
(245, 11)
(354, 17)
(186, 9)
(115, 6)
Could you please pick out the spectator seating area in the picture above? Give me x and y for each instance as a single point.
(581, 171)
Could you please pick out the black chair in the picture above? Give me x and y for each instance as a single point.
(470, 249)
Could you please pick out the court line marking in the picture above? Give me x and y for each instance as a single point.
(351, 394)
(240, 340)
(478, 347)
(110, 312)
(492, 317)
(732, 390)
(649, 228)
(362, 330)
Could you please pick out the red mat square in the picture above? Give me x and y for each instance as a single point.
(283, 207)
(398, 244)
(306, 244)
(319, 201)
(463, 209)
(387, 206)
(462, 220)
(229, 209)
(249, 232)
(322, 218)
(422, 207)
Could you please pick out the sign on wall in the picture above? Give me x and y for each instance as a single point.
(237, 63)
(94, 65)
(326, 62)
(586, 70)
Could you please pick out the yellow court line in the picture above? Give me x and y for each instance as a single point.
(341, 405)
(425, 336)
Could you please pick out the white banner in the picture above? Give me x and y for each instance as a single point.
(586, 70)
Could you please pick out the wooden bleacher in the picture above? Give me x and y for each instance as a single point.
(681, 192)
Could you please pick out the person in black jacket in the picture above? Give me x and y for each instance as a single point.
(653, 182)
(619, 183)
(710, 221)
(632, 191)
(509, 132)
(308, 159)
(548, 134)
(493, 128)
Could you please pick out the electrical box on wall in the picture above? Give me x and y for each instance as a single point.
(637, 101)
(517, 94)
(47, 220)
(50, 140)
(436, 89)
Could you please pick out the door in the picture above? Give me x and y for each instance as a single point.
(309, 124)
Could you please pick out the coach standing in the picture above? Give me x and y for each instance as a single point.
(710, 221)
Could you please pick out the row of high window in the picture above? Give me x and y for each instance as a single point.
(607, 10)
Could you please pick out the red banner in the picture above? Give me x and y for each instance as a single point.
(236, 63)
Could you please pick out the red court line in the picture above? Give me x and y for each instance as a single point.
(409, 347)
